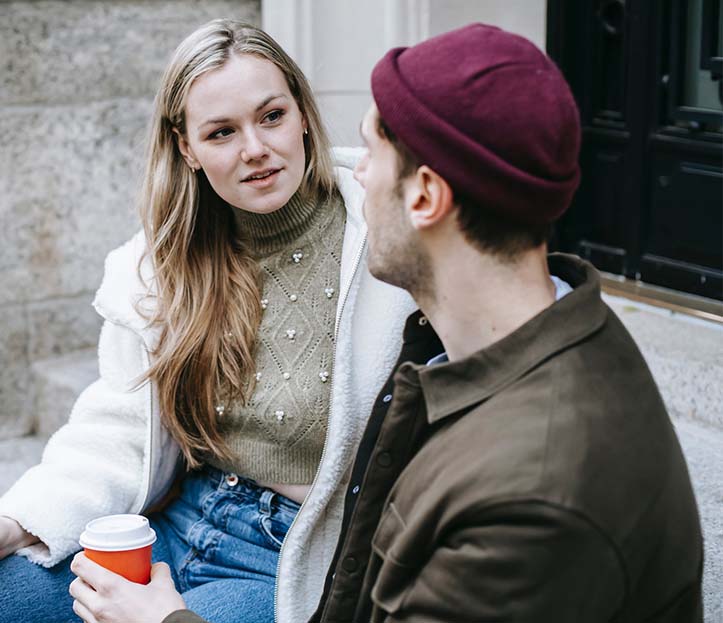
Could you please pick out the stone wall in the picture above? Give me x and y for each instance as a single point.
(77, 78)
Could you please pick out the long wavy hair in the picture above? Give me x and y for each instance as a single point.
(205, 284)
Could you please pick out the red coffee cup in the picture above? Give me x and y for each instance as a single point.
(122, 544)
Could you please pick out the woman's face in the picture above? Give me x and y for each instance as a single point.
(245, 130)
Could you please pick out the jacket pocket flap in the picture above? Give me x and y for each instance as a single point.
(390, 527)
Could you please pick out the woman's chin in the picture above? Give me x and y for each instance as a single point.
(270, 202)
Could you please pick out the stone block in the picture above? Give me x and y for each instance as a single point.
(69, 183)
(60, 52)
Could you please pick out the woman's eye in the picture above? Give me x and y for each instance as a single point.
(220, 133)
(274, 115)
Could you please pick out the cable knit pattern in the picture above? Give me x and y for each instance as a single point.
(278, 436)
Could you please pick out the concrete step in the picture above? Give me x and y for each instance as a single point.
(57, 382)
(685, 355)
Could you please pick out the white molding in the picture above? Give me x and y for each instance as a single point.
(406, 22)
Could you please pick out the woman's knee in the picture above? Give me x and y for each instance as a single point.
(229, 601)
(31, 593)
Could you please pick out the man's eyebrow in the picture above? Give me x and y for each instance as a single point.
(265, 102)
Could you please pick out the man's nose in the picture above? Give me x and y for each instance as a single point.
(359, 170)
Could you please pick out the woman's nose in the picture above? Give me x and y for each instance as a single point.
(253, 147)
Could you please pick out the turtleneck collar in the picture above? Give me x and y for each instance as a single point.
(268, 233)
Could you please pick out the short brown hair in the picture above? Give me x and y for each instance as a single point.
(488, 231)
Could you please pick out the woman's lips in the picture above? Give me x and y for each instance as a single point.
(263, 182)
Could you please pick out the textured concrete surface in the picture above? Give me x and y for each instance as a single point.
(84, 50)
(80, 201)
(685, 355)
(77, 80)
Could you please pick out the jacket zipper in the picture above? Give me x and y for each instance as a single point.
(147, 364)
(357, 261)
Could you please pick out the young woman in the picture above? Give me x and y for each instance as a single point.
(243, 345)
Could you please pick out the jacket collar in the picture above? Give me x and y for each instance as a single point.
(125, 289)
(455, 386)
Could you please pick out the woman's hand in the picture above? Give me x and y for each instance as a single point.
(102, 596)
(13, 537)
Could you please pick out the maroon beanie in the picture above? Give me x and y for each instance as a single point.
(491, 114)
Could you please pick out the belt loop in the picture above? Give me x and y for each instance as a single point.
(265, 500)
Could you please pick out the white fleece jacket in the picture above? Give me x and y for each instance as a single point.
(114, 456)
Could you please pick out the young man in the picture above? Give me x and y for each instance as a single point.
(531, 472)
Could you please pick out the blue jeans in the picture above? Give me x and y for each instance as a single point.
(221, 537)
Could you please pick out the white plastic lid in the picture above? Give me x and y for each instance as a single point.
(116, 533)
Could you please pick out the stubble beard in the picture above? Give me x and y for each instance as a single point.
(397, 257)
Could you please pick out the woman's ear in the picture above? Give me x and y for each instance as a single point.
(429, 198)
(186, 150)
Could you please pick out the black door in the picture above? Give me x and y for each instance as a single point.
(647, 77)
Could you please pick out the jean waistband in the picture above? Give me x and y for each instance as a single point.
(234, 482)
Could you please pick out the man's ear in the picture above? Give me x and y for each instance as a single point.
(429, 198)
(185, 150)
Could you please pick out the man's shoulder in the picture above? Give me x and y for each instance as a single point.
(570, 430)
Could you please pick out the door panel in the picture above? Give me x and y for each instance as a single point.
(647, 78)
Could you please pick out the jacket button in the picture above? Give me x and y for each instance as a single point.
(422, 321)
(387, 398)
(384, 459)
(350, 564)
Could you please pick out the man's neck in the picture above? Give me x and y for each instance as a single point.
(478, 300)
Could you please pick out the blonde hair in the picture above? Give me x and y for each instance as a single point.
(206, 285)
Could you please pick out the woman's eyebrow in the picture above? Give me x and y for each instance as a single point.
(268, 99)
(265, 102)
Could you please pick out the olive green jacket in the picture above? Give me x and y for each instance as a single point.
(537, 480)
